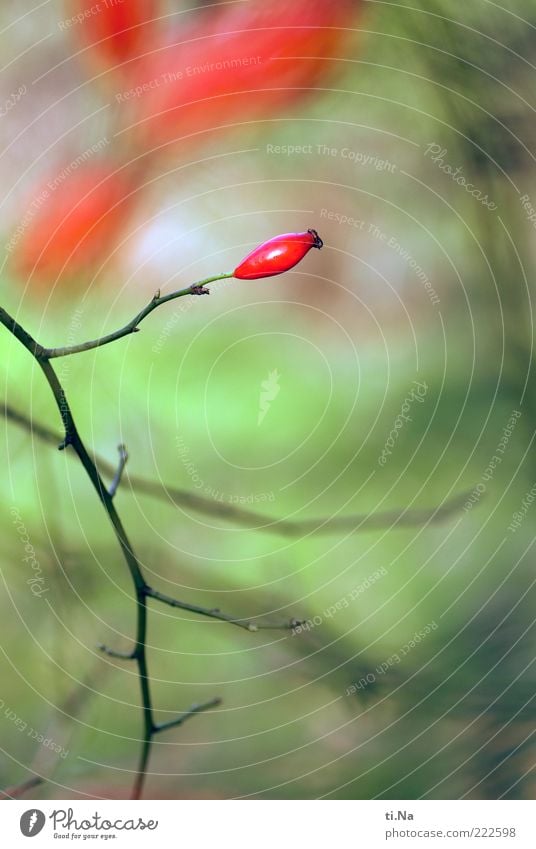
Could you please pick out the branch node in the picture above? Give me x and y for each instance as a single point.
(40, 353)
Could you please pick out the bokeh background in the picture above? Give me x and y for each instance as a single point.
(404, 133)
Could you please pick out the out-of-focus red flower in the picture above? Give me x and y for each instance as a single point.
(237, 64)
(72, 222)
(115, 29)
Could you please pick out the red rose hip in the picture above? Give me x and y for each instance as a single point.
(277, 255)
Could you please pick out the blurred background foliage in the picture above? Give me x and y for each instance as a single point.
(348, 332)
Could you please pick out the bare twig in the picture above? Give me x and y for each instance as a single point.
(215, 613)
(322, 525)
(198, 288)
(192, 711)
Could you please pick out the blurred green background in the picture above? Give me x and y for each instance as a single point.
(347, 332)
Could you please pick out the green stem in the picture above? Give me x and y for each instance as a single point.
(133, 325)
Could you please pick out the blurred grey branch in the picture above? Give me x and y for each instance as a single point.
(249, 518)
(20, 789)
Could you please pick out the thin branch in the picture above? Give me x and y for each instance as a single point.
(378, 521)
(198, 288)
(182, 498)
(123, 458)
(192, 711)
(20, 789)
(215, 613)
(120, 655)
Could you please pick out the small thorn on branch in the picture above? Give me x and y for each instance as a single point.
(192, 711)
(123, 458)
(120, 655)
